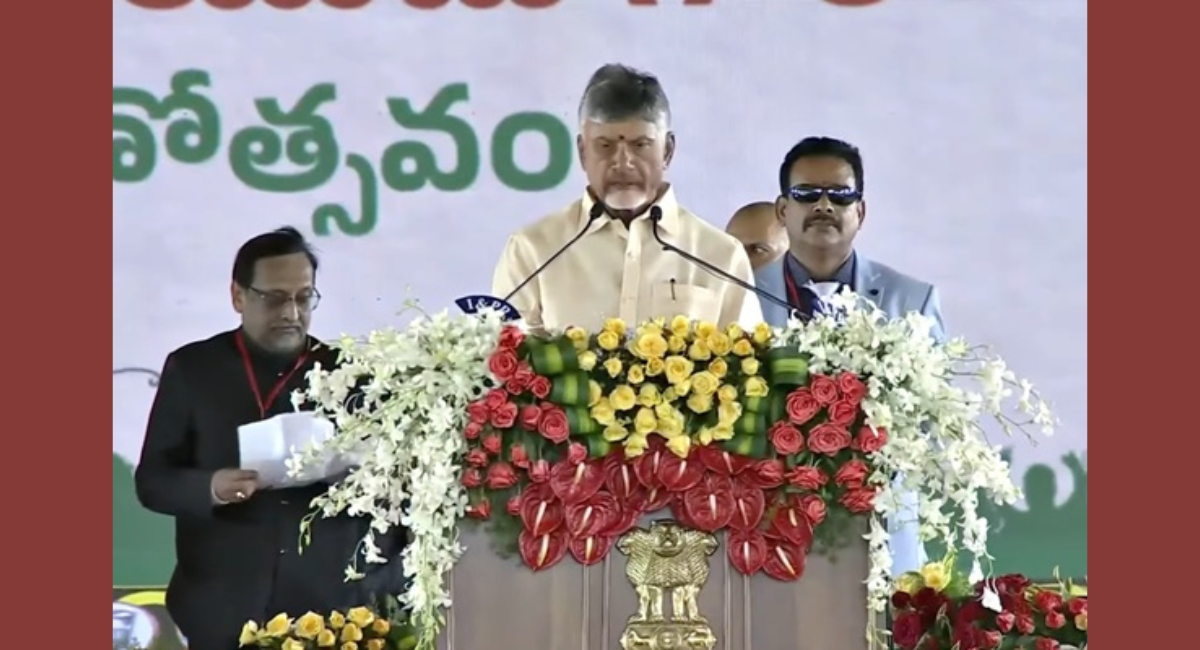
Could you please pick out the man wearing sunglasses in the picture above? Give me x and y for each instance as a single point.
(821, 205)
(236, 542)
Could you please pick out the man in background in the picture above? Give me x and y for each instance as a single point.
(761, 234)
(237, 542)
(618, 268)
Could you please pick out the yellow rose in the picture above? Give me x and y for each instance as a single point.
(719, 343)
(351, 632)
(678, 369)
(644, 422)
(279, 626)
(750, 366)
(670, 427)
(676, 344)
(650, 346)
(249, 633)
(578, 337)
(615, 432)
(349, 645)
(595, 392)
(636, 374)
(1081, 621)
(622, 398)
(935, 575)
(670, 395)
(728, 413)
(743, 348)
(700, 403)
(679, 445)
(910, 583)
(608, 340)
(603, 412)
(649, 395)
(613, 366)
(655, 367)
(376, 644)
(762, 334)
(727, 393)
(698, 351)
(705, 383)
(615, 325)
(734, 331)
(381, 626)
(683, 387)
(587, 360)
(708, 434)
(326, 639)
(310, 625)
(635, 445)
(756, 387)
(293, 644)
(336, 620)
(664, 410)
(705, 329)
(681, 326)
(718, 367)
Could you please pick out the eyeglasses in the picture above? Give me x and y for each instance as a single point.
(306, 300)
(842, 196)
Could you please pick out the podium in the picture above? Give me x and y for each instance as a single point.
(500, 603)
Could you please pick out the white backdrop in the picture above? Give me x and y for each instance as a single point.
(972, 117)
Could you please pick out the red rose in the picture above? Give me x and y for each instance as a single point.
(472, 431)
(907, 630)
(511, 337)
(514, 505)
(843, 412)
(1024, 624)
(828, 439)
(901, 600)
(1055, 620)
(501, 476)
(852, 475)
(481, 510)
(858, 500)
(519, 457)
(852, 387)
(1005, 620)
(531, 414)
(824, 389)
(540, 387)
(477, 458)
(989, 639)
(786, 439)
(492, 444)
(540, 472)
(770, 473)
(478, 411)
(503, 364)
(814, 509)
(868, 441)
(520, 380)
(495, 399)
(802, 406)
(472, 478)
(807, 477)
(576, 453)
(1045, 643)
(1077, 606)
(505, 416)
(554, 426)
(1047, 601)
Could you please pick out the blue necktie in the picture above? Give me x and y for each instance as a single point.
(817, 295)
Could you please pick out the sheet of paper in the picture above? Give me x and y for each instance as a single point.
(266, 445)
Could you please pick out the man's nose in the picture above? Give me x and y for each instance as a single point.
(823, 205)
(624, 158)
(291, 310)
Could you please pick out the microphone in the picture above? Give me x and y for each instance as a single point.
(474, 304)
(656, 216)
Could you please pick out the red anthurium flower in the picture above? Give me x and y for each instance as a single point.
(747, 550)
(710, 504)
(576, 483)
(542, 551)
(541, 511)
(785, 560)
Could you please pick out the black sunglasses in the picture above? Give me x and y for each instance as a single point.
(842, 196)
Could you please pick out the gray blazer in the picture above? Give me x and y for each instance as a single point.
(896, 294)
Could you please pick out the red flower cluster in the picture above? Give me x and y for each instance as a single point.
(1030, 617)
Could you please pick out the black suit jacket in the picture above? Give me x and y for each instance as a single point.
(241, 561)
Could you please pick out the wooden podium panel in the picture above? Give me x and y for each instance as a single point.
(500, 604)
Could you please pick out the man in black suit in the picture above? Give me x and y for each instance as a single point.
(237, 545)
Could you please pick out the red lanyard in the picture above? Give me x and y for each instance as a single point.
(263, 405)
(790, 282)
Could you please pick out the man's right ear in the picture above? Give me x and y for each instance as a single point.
(781, 210)
(237, 297)
(579, 148)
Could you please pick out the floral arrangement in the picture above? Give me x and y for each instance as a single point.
(935, 610)
(563, 441)
(356, 628)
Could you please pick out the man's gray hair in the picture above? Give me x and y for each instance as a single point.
(616, 93)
